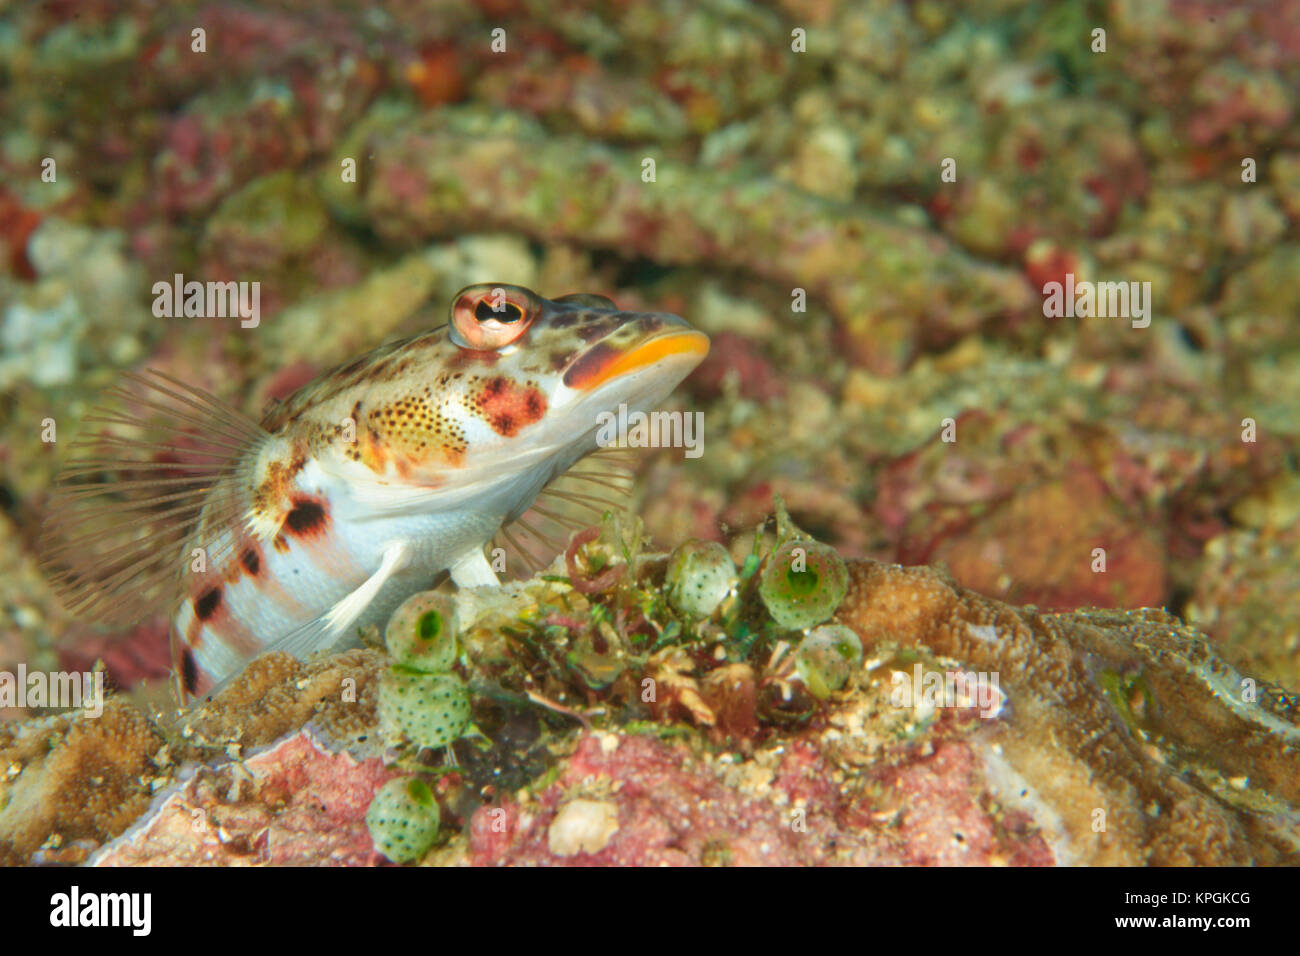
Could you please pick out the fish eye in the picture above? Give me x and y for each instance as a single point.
(491, 316)
(501, 311)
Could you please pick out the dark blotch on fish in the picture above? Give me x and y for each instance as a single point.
(206, 604)
(593, 362)
(189, 671)
(596, 330)
(305, 517)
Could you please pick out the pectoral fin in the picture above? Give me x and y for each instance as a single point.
(577, 499)
(473, 571)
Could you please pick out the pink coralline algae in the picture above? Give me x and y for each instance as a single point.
(295, 803)
(674, 808)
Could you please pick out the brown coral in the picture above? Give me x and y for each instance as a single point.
(78, 778)
(1125, 721)
(277, 694)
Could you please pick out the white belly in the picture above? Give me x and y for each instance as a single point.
(302, 579)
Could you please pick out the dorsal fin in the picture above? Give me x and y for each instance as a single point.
(132, 490)
(600, 482)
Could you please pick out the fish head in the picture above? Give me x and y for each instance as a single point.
(553, 368)
(485, 411)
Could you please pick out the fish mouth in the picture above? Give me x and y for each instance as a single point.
(678, 347)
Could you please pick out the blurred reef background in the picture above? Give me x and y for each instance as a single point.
(1171, 158)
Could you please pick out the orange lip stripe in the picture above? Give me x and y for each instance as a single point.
(603, 363)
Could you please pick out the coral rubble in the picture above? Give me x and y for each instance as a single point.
(1111, 738)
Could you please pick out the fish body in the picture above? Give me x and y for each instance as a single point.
(378, 475)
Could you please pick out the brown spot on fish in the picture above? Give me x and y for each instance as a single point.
(596, 359)
(508, 406)
(251, 561)
(598, 329)
(276, 483)
(206, 604)
(280, 544)
(351, 368)
(189, 672)
(306, 517)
